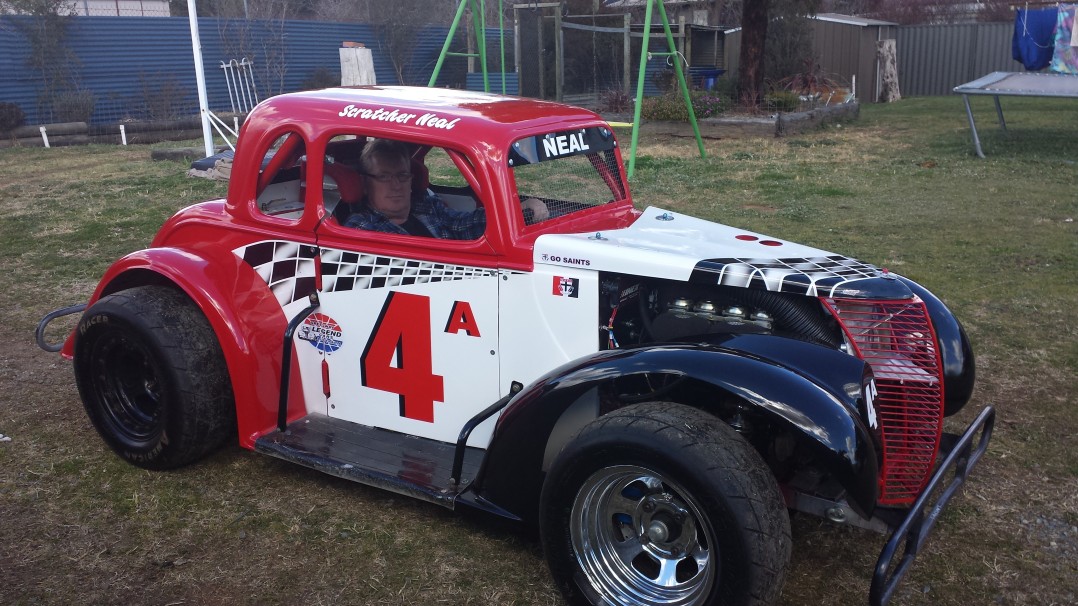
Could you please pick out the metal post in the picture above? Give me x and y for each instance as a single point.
(681, 80)
(973, 128)
(559, 59)
(501, 43)
(999, 112)
(448, 40)
(516, 51)
(627, 53)
(200, 78)
(480, 26)
(539, 55)
(640, 88)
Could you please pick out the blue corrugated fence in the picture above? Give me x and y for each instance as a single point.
(141, 68)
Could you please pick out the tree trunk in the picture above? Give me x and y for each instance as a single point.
(885, 50)
(750, 72)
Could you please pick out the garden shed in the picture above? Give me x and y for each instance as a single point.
(843, 45)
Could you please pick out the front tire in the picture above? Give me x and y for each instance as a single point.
(152, 377)
(659, 503)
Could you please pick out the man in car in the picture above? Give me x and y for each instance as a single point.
(391, 206)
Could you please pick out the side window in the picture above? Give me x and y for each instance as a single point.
(342, 182)
(444, 180)
(399, 188)
(281, 180)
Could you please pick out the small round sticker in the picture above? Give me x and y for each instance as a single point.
(322, 332)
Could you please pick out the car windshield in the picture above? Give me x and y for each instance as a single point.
(567, 170)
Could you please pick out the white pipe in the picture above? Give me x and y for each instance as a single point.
(123, 134)
(200, 78)
(44, 136)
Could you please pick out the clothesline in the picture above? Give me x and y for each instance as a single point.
(1034, 4)
(1046, 37)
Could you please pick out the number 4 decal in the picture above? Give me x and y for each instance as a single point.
(403, 330)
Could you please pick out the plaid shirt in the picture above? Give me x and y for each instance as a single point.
(440, 220)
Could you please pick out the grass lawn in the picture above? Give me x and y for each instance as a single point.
(901, 188)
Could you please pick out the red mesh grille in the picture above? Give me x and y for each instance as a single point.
(897, 340)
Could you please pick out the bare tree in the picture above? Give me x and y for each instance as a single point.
(401, 22)
(755, 17)
(47, 54)
(343, 11)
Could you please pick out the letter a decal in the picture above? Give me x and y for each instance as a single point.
(462, 318)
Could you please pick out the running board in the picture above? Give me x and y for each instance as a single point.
(409, 465)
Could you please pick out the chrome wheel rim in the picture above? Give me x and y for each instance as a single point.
(641, 539)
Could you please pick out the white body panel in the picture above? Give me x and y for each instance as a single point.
(541, 330)
(459, 337)
(467, 333)
(663, 244)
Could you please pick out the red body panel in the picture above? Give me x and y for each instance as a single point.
(193, 250)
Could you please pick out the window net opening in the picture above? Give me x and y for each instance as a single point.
(568, 171)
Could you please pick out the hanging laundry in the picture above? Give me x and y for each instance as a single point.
(1033, 40)
(1065, 56)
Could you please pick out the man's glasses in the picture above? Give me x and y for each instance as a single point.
(386, 178)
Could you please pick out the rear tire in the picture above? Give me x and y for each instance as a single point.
(660, 503)
(152, 377)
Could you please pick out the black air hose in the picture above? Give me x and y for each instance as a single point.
(791, 314)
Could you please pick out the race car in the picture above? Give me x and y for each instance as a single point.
(652, 392)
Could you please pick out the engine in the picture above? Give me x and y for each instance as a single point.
(646, 312)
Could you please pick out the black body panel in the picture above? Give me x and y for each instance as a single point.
(401, 463)
(820, 406)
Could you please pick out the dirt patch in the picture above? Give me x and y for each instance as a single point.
(760, 208)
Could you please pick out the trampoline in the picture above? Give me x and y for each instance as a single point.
(1015, 84)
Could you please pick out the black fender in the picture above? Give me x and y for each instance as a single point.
(956, 353)
(549, 412)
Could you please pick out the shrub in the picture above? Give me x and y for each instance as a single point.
(73, 106)
(615, 101)
(669, 107)
(708, 105)
(11, 117)
(319, 78)
(163, 97)
(783, 101)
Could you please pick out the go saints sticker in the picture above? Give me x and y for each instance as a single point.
(566, 287)
(322, 332)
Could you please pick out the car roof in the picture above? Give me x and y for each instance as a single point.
(457, 114)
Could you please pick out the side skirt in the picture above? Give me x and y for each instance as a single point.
(400, 463)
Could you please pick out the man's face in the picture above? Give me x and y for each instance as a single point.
(389, 188)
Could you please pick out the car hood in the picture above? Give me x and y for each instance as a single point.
(665, 244)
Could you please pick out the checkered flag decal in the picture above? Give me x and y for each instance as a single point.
(348, 271)
(811, 276)
(288, 269)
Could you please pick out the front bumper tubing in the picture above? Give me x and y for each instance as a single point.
(915, 528)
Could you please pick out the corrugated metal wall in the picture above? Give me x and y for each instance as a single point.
(933, 59)
(842, 50)
(127, 62)
(707, 48)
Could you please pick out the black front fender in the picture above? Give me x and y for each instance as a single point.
(549, 412)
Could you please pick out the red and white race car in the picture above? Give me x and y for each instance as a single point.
(652, 391)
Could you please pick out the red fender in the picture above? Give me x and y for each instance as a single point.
(250, 331)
